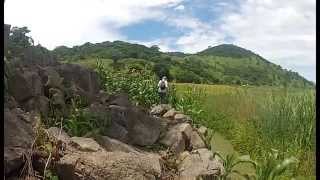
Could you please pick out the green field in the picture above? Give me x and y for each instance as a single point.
(255, 120)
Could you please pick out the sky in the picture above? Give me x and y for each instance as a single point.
(282, 31)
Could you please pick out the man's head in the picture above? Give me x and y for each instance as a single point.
(164, 78)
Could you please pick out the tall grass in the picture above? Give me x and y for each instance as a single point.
(258, 119)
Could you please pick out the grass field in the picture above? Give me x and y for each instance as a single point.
(258, 119)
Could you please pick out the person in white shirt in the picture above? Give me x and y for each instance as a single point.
(162, 89)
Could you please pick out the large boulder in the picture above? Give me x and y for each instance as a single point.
(86, 80)
(18, 138)
(77, 164)
(199, 163)
(143, 129)
(177, 137)
(128, 124)
(23, 85)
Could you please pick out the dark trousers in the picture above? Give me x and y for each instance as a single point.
(163, 97)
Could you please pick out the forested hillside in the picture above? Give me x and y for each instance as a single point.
(223, 64)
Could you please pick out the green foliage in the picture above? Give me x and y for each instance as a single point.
(49, 175)
(230, 162)
(81, 122)
(18, 41)
(255, 119)
(139, 84)
(189, 102)
(273, 167)
(224, 64)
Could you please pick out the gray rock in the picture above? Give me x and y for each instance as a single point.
(132, 125)
(143, 129)
(24, 85)
(114, 145)
(160, 109)
(38, 104)
(85, 80)
(174, 138)
(196, 141)
(108, 165)
(121, 99)
(199, 163)
(18, 138)
(85, 144)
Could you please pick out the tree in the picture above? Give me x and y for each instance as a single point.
(19, 41)
(115, 56)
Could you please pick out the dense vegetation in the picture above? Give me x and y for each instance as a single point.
(261, 120)
(223, 64)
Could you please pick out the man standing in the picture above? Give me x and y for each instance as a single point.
(162, 89)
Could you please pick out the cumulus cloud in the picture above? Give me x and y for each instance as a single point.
(59, 22)
(281, 31)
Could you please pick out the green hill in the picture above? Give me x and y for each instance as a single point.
(222, 64)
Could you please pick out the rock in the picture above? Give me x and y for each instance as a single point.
(170, 114)
(24, 85)
(121, 99)
(85, 144)
(143, 129)
(203, 130)
(196, 141)
(132, 125)
(54, 132)
(54, 80)
(174, 138)
(85, 80)
(39, 104)
(160, 109)
(113, 145)
(108, 165)
(181, 118)
(199, 163)
(18, 138)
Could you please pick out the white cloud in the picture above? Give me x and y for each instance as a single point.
(281, 31)
(59, 22)
(179, 8)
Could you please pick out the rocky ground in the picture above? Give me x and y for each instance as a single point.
(138, 144)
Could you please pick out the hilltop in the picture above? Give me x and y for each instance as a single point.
(222, 64)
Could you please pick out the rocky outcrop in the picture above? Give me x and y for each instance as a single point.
(128, 123)
(100, 164)
(18, 138)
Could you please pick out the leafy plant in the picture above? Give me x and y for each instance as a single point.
(230, 162)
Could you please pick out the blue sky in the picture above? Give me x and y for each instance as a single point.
(281, 31)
